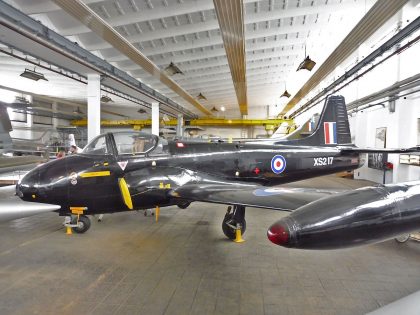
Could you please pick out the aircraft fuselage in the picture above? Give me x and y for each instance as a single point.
(91, 181)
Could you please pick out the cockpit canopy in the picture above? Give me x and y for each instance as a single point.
(126, 143)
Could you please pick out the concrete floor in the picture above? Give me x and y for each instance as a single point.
(129, 264)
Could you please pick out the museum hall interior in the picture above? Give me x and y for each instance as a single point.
(163, 157)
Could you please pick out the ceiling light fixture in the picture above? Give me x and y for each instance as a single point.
(21, 99)
(141, 111)
(201, 97)
(285, 93)
(77, 111)
(214, 109)
(33, 75)
(172, 69)
(222, 108)
(106, 99)
(307, 63)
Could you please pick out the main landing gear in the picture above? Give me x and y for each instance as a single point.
(233, 222)
(78, 223)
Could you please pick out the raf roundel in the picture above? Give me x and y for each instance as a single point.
(278, 164)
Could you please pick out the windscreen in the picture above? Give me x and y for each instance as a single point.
(134, 143)
(97, 146)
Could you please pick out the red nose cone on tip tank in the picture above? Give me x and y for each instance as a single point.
(278, 234)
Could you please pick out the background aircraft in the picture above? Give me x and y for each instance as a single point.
(133, 170)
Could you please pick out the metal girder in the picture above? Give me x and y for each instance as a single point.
(45, 6)
(144, 16)
(381, 12)
(225, 84)
(210, 25)
(220, 79)
(209, 65)
(192, 122)
(221, 52)
(369, 60)
(30, 37)
(204, 5)
(208, 43)
(230, 14)
(85, 15)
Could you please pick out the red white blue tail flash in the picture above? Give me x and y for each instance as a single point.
(330, 132)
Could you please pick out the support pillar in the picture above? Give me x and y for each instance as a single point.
(180, 126)
(54, 107)
(29, 121)
(155, 119)
(94, 106)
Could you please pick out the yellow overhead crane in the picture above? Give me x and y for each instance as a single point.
(138, 124)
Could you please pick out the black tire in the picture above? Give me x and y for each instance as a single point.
(229, 231)
(184, 205)
(402, 238)
(83, 224)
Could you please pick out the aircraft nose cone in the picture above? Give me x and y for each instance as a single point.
(279, 233)
(26, 186)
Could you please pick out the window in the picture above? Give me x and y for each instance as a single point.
(97, 146)
(134, 143)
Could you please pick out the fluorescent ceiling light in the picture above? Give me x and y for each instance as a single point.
(33, 75)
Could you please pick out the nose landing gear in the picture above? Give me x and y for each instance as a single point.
(78, 223)
(233, 221)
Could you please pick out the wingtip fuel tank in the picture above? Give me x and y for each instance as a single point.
(363, 216)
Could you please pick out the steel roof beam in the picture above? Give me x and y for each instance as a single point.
(381, 12)
(211, 25)
(203, 66)
(230, 15)
(207, 44)
(205, 5)
(85, 15)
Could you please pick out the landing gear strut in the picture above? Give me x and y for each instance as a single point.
(78, 223)
(234, 220)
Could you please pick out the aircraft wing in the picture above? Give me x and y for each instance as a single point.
(12, 207)
(276, 198)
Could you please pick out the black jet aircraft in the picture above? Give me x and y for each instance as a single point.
(123, 171)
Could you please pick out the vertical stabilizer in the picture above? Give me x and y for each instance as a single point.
(333, 125)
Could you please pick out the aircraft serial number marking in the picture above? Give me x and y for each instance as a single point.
(323, 161)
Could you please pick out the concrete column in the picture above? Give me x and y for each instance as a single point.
(29, 120)
(94, 105)
(180, 126)
(54, 107)
(155, 118)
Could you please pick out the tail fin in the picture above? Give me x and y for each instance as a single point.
(333, 125)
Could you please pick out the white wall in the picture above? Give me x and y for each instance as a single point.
(401, 132)
(401, 125)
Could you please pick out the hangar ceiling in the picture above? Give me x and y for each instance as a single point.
(187, 33)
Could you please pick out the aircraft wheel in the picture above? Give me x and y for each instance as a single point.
(184, 205)
(402, 238)
(228, 230)
(82, 226)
